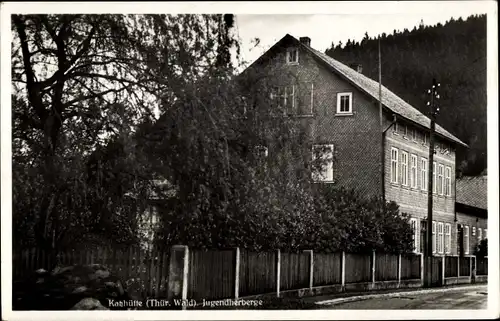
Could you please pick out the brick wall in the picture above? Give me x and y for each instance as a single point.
(413, 201)
(356, 138)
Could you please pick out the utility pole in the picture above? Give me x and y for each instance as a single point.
(433, 112)
(382, 152)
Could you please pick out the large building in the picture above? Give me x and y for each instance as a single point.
(339, 106)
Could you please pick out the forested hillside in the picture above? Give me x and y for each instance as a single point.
(454, 54)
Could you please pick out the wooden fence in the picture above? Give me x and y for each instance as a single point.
(257, 273)
(410, 267)
(327, 269)
(482, 266)
(219, 274)
(386, 267)
(145, 273)
(295, 270)
(212, 274)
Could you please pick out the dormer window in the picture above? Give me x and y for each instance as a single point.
(292, 56)
(344, 103)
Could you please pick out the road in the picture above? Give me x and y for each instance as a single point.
(474, 298)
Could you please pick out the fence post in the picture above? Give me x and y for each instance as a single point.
(399, 270)
(278, 272)
(443, 269)
(342, 270)
(237, 274)
(178, 273)
(373, 267)
(470, 269)
(311, 268)
(422, 269)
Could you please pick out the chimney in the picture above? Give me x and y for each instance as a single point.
(357, 67)
(306, 41)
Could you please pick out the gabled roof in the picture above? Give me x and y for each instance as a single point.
(473, 191)
(389, 99)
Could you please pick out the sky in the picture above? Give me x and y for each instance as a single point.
(323, 29)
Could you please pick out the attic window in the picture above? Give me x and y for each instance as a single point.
(292, 56)
(344, 103)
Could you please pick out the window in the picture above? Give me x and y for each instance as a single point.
(423, 173)
(479, 234)
(426, 138)
(414, 228)
(396, 128)
(413, 171)
(445, 149)
(466, 239)
(292, 56)
(344, 103)
(440, 238)
(485, 234)
(290, 103)
(322, 167)
(394, 165)
(434, 185)
(447, 238)
(404, 168)
(405, 131)
(414, 134)
(433, 236)
(447, 181)
(440, 183)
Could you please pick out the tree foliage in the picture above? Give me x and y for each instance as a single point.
(81, 86)
(454, 54)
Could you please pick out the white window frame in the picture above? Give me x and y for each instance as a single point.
(479, 234)
(423, 171)
(405, 132)
(440, 238)
(414, 171)
(434, 177)
(485, 234)
(447, 238)
(466, 239)
(394, 165)
(404, 168)
(447, 179)
(441, 179)
(414, 135)
(415, 236)
(339, 100)
(434, 236)
(289, 55)
(425, 139)
(329, 170)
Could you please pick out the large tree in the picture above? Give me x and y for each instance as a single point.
(81, 85)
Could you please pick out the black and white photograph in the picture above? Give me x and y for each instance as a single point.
(243, 160)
